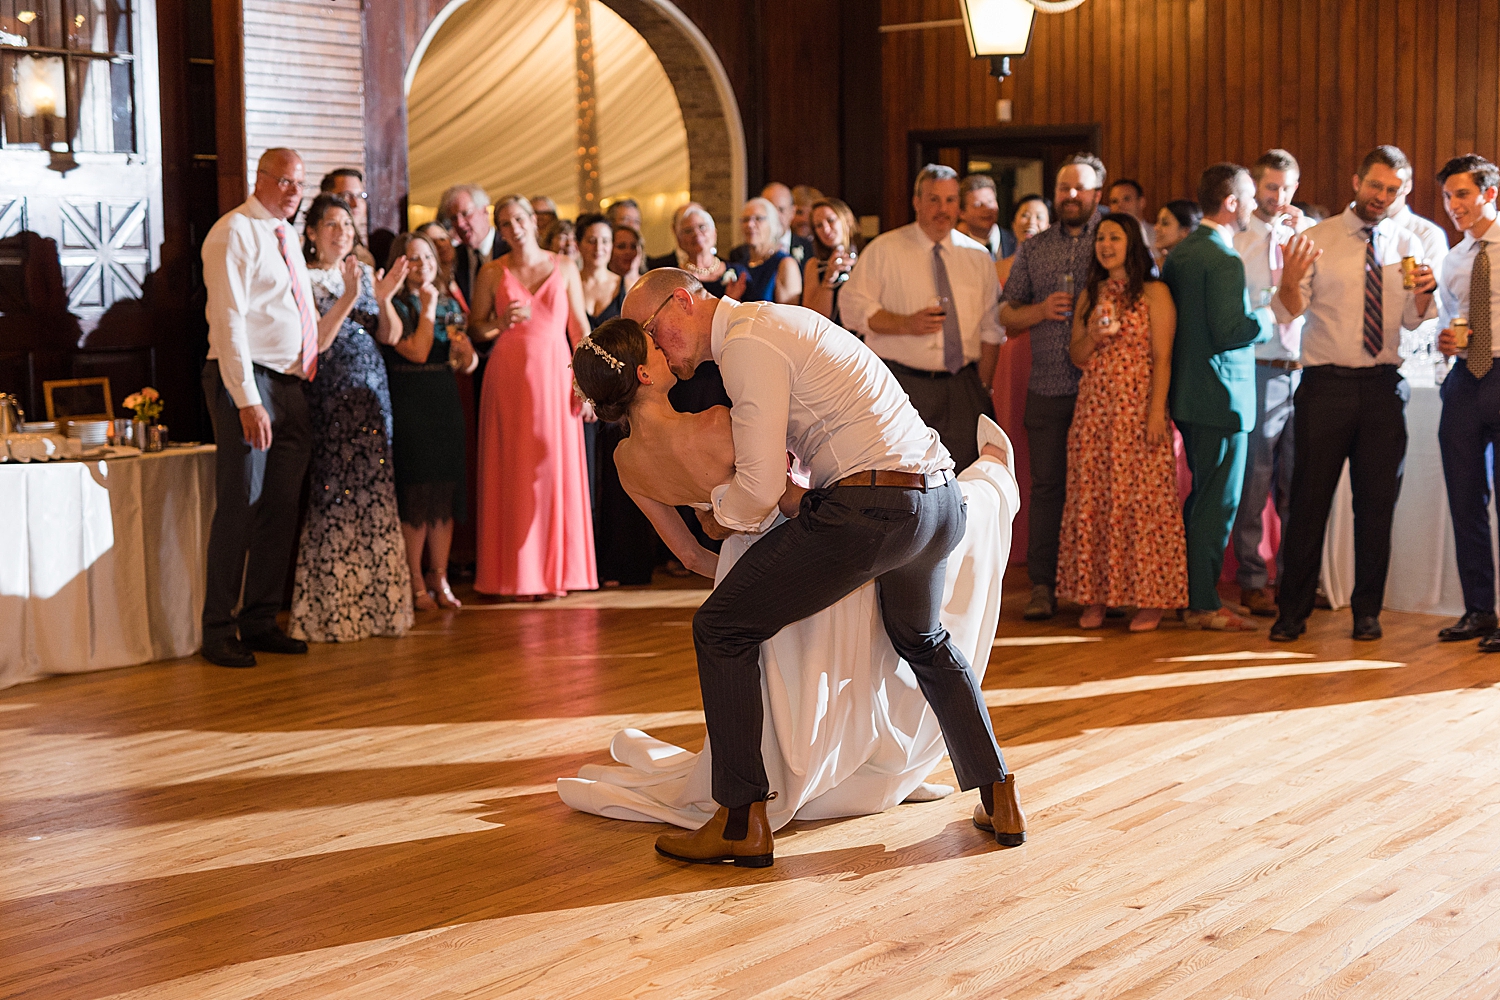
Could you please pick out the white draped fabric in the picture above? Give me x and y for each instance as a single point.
(1424, 573)
(493, 102)
(847, 731)
(102, 563)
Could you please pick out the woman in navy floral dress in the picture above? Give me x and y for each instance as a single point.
(351, 579)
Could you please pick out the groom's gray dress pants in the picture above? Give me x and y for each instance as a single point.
(843, 537)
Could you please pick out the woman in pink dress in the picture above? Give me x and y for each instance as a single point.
(1122, 537)
(535, 530)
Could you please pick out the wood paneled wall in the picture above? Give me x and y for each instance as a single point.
(1180, 84)
(304, 83)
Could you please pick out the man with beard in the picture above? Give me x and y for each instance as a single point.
(925, 298)
(1344, 275)
(1050, 269)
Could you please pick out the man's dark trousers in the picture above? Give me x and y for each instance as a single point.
(843, 537)
(1468, 430)
(1342, 413)
(1047, 421)
(255, 519)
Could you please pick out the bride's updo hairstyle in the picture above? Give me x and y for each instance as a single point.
(604, 366)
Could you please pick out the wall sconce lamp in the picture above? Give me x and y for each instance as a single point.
(1000, 29)
(42, 94)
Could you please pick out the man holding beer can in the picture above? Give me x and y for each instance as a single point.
(1344, 276)
(1471, 393)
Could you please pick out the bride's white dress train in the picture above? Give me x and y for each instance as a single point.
(847, 731)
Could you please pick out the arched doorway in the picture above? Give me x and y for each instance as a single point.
(668, 124)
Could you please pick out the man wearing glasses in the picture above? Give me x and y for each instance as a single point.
(262, 347)
(885, 506)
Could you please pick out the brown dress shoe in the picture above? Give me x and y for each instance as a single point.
(1260, 602)
(1008, 824)
(740, 836)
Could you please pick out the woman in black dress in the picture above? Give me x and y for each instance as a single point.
(624, 541)
(429, 419)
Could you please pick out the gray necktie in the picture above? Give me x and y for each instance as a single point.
(953, 342)
(1480, 338)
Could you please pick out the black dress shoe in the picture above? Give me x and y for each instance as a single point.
(1366, 628)
(229, 652)
(1473, 625)
(1490, 643)
(1287, 631)
(273, 640)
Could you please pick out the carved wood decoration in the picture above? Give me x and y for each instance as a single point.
(105, 252)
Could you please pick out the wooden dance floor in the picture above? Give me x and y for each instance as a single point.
(1212, 816)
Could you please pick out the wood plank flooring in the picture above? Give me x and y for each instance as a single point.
(1212, 817)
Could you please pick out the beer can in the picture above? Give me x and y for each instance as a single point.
(1408, 272)
(1460, 328)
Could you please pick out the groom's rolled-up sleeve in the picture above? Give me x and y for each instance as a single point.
(758, 379)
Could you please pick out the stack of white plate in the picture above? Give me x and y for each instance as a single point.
(89, 433)
(39, 427)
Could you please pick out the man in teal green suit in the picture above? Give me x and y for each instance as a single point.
(1213, 381)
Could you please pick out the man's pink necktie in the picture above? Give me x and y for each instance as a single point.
(304, 310)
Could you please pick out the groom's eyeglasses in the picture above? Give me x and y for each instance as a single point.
(649, 327)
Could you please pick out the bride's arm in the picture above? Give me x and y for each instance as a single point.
(677, 536)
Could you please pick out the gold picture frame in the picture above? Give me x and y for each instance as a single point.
(79, 399)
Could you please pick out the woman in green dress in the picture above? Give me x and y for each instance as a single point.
(428, 418)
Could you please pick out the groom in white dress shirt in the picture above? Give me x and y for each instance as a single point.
(884, 506)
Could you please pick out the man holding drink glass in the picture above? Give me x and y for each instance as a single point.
(1471, 392)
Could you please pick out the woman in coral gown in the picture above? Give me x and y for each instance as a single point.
(535, 531)
(1122, 536)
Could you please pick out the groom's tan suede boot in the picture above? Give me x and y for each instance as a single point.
(740, 836)
(1008, 823)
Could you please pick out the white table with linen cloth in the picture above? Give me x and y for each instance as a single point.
(102, 562)
(1424, 573)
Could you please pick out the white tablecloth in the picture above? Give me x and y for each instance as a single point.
(1424, 574)
(102, 563)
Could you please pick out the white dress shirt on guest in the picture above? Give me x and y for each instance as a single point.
(802, 385)
(1434, 238)
(252, 316)
(895, 274)
(1458, 272)
(1333, 293)
(1254, 247)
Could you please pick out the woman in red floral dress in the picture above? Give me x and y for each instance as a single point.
(1122, 536)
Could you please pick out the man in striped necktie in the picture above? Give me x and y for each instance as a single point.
(1471, 393)
(1344, 275)
(262, 349)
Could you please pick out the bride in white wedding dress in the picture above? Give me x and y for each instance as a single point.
(847, 731)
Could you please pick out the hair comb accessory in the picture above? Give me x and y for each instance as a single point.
(609, 358)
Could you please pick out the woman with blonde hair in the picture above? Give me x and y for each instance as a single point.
(770, 274)
(535, 537)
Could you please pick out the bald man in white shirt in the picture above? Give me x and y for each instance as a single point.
(884, 506)
(262, 349)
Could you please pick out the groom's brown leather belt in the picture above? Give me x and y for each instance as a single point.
(900, 480)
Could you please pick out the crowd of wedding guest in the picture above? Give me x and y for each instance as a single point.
(1203, 340)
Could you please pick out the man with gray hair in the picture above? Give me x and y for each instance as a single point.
(925, 298)
(1050, 269)
(465, 210)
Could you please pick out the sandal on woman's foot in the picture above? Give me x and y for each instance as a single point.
(1092, 617)
(424, 602)
(1146, 620)
(444, 593)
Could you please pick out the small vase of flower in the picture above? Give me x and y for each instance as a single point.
(147, 405)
